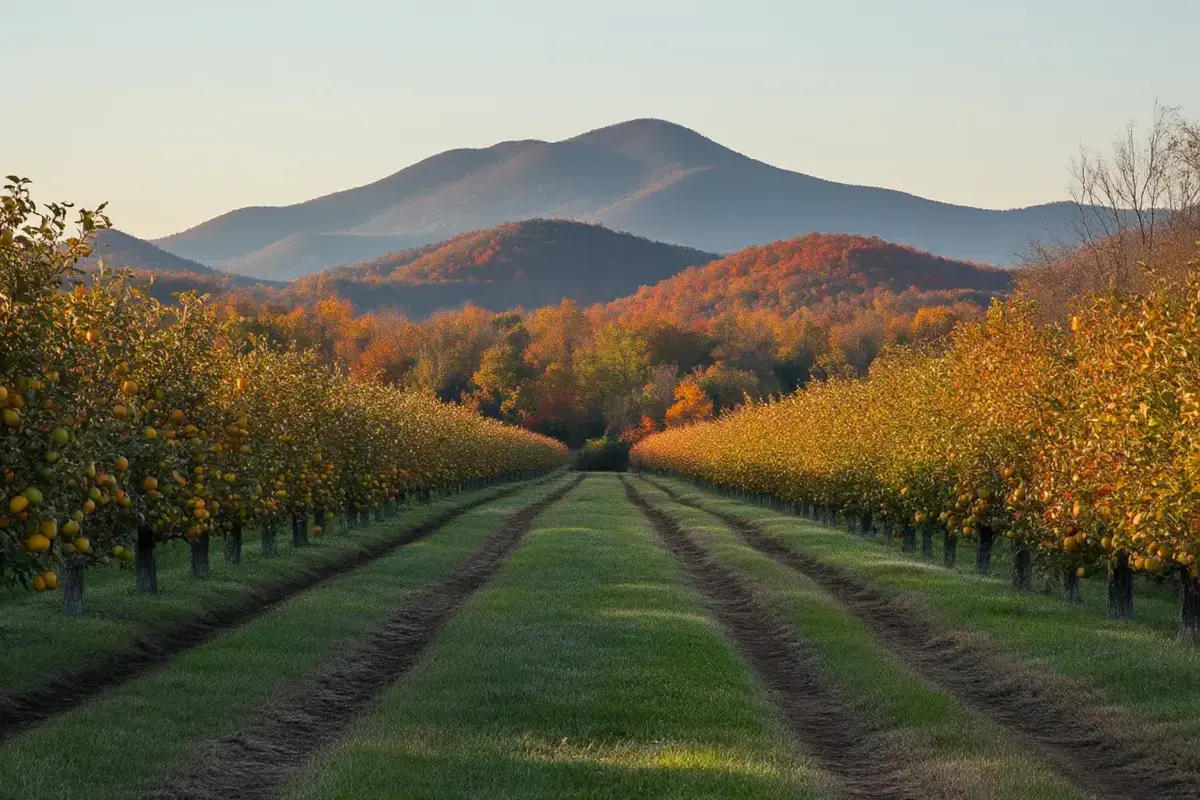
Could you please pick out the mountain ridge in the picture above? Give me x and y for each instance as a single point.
(815, 272)
(535, 263)
(529, 263)
(119, 249)
(649, 177)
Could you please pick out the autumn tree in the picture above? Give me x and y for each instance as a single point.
(557, 334)
(859, 340)
(449, 352)
(556, 409)
(692, 404)
(745, 341)
(500, 382)
(391, 354)
(612, 372)
(659, 392)
(801, 341)
(932, 323)
(726, 387)
(686, 345)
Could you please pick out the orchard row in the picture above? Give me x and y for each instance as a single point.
(125, 423)
(1080, 443)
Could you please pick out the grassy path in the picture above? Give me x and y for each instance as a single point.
(810, 705)
(126, 741)
(585, 669)
(946, 750)
(280, 738)
(69, 659)
(1087, 696)
(594, 648)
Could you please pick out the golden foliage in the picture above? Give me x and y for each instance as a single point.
(1081, 443)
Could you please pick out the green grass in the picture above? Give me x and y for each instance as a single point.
(1157, 597)
(37, 639)
(946, 747)
(585, 669)
(123, 742)
(1135, 664)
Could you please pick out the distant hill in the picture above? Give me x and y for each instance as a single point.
(164, 273)
(307, 253)
(530, 263)
(538, 262)
(812, 272)
(118, 249)
(648, 177)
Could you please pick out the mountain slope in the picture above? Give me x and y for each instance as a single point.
(118, 249)
(649, 177)
(813, 272)
(164, 274)
(240, 233)
(531, 263)
(301, 254)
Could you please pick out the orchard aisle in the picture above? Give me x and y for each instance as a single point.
(1110, 703)
(932, 745)
(592, 635)
(102, 749)
(586, 669)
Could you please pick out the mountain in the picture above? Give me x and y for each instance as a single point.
(163, 273)
(816, 271)
(118, 249)
(648, 177)
(303, 254)
(530, 263)
(538, 262)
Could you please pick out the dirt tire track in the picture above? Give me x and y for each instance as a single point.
(810, 707)
(255, 762)
(66, 690)
(1101, 749)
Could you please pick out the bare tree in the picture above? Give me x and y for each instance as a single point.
(1138, 215)
(1141, 193)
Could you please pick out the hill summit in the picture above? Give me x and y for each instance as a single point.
(815, 271)
(649, 177)
(529, 263)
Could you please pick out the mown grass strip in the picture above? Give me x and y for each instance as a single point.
(1066, 688)
(276, 742)
(947, 750)
(61, 671)
(585, 669)
(131, 739)
(810, 706)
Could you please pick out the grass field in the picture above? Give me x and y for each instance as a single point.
(586, 668)
(98, 750)
(571, 649)
(117, 616)
(1134, 663)
(960, 755)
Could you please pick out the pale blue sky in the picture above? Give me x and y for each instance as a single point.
(178, 111)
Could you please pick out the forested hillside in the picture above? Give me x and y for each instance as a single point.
(817, 272)
(532, 263)
(701, 335)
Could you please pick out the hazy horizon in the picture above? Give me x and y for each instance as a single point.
(187, 113)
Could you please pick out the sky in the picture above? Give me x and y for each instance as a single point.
(174, 112)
